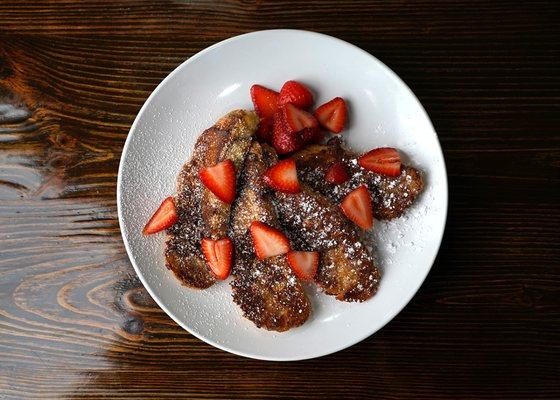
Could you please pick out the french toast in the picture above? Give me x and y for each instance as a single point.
(200, 213)
(273, 224)
(390, 196)
(266, 290)
(346, 269)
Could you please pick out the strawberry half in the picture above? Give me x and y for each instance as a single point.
(220, 180)
(297, 120)
(163, 218)
(283, 141)
(296, 93)
(337, 173)
(265, 100)
(385, 160)
(264, 131)
(332, 115)
(283, 177)
(357, 207)
(268, 241)
(218, 255)
(304, 264)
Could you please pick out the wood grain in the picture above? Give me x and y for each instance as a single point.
(75, 321)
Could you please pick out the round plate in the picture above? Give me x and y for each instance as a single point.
(383, 112)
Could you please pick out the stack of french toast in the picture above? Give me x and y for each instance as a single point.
(272, 240)
(264, 200)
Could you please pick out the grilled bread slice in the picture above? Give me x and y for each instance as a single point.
(346, 269)
(267, 291)
(390, 196)
(201, 214)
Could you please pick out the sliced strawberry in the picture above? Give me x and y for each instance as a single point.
(220, 180)
(332, 115)
(357, 207)
(311, 135)
(268, 241)
(337, 173)
(264, 131)
(283, 141)
(304, 264)
(384, 160)
(218, 255)
(307, 134)
(283, 177)
(297, 120)
(163, 218)
(265, 100)
(296, 93)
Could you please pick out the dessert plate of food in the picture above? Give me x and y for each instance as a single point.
(282, 195)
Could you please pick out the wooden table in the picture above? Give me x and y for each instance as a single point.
(76, 322)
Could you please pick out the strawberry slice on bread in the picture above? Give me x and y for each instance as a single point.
(218, 255)
(164, 217)
(220, 180)
(283, 177)
(304, 264)
(357, 207)
(384, 160)
(337, 173)
(268, 241)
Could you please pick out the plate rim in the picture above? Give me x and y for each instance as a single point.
(131, 258)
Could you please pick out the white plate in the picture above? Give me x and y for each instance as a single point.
(383, 112)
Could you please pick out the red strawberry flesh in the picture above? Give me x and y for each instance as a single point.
(283, 176)
(218, 255)
(163, 218)
(357, 207)
(304, 264)
(295, 93)
(283, 141)
(384, 160)
(265, 100)
(268, 241)
(297, 119)
(220, 180)
(264, 131)
(332, 115)
(337, 173)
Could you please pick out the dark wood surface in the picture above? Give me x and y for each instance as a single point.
(76, 322)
